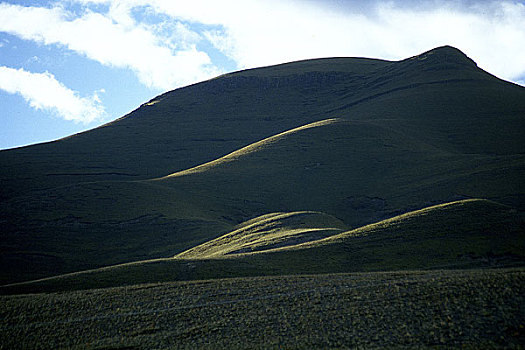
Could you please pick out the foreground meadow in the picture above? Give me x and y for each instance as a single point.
(426, 309)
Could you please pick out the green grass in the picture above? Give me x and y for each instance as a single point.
(463, 234)
(357, 140)
(97, 224)
(267, 232)
(477, 226)
(469, 309)
(248, 150)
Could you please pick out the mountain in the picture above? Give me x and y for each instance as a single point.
(281, 157)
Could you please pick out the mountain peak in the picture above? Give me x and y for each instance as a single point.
(445, 55)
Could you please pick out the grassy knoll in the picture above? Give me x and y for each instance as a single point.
(463, 234)
(267, 232)
(324, 167)
(445, 233)
(468, 309)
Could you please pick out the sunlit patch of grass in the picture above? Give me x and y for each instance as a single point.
(267, 232)
(254, 147)
(151, 103)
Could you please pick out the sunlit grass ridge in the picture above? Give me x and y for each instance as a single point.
(254, 147)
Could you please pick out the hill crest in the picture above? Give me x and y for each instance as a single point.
(444, 55)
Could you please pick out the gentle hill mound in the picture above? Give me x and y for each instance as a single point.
(466, 232)
(469, 233)
(445, 235)
(268, 232)
(91, 225)
(250, 149)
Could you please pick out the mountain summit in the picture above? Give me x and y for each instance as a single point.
(302, 153)
(445, 55)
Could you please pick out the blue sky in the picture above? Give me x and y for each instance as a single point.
(71, 65)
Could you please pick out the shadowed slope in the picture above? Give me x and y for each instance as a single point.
(471, 233)
(424, 237)
(359, 172)
(440, 96)
(246, 151)
(185, 127)
(91, 225)
(355, 171)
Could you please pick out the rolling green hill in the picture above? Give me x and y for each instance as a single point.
(267, 232)
(270, 158)
(463, 234)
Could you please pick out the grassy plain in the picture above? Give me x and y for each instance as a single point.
(467, 309)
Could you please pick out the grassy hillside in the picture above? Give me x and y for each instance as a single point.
(462, 234)
(359, 172)
(448, 94)
(319, 167)
(185, 127)
(268, 232)
(355, 141)
(90, 225)
(444, 231)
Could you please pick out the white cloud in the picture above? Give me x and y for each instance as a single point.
(490, 33)
(43, 92)
(113, 39)
(256, 33)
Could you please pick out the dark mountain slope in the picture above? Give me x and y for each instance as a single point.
(318, 167)
(359, 172)
(437, 94)
(183, 128)
(360, 140)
